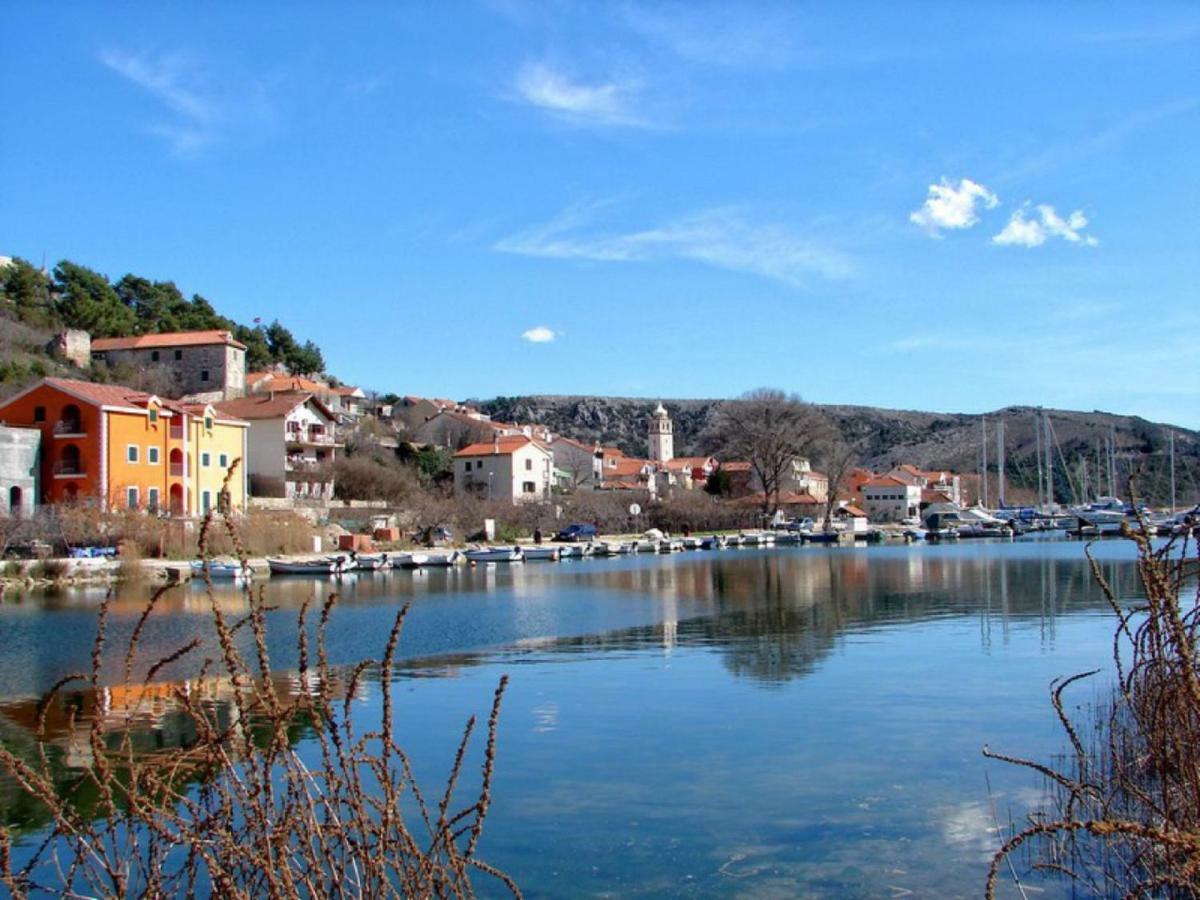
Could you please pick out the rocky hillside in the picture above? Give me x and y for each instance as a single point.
(883, 437)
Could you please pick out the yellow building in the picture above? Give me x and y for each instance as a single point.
(214, 443)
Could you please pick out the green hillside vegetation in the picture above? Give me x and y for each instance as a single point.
(34, 305)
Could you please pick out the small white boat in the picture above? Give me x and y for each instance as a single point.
(758, 539)
(302, 567)
(578, 551)
(423, 560)
(343, 564)
(691, 543)
(221, 570)
(788, 538)
(548, 553)
(670, 545)
(494, 554)
(371, 563)
(714, 542)
(735, 540)
(612, 548)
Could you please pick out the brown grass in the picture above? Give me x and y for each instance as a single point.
(1124, 818)
(239, 813)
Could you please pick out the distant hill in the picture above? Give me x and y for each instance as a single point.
(884, 437)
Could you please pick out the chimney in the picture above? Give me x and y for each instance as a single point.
(496, 443)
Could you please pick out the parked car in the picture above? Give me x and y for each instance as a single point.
(580, 531)
(804, 524)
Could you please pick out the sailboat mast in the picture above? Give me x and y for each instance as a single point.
(1171, 435)
(1037, 436)
(983, 474)
(1000, 463)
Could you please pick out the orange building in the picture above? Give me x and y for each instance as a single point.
(122, 447)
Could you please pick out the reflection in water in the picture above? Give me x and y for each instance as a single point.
(638, 724)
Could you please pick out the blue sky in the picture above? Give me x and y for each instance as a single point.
(917, 205)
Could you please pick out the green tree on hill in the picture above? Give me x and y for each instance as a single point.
(26, 290)
(86, 300)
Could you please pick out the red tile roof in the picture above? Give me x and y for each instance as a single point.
(887, 481)
(623, 468)
(100, 394)
(267, 406)
(168, 339)
(292, 383)
(504, 446)
(736, 466)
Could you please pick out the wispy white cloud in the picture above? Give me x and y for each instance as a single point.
(603, 103)
(719, 35)
(201, 110)
(1033, 232)
(539, 334)
(952, 206)
(721, 237)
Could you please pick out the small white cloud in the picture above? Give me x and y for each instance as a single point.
(1033, 232)
(550, 90)
(539, 335)
(952, 206)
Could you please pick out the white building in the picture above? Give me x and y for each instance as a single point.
(292, 439)
(890, 499)
(513, 469)
(662, 436)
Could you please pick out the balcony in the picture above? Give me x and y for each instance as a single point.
(301, 436)
(68, 469)
(65, 428)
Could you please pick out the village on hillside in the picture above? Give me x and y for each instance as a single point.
(69, 440)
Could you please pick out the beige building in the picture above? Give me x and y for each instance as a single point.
(514, 469)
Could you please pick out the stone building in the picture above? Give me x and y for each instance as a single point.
(72, 345)
(19, 461)
(661, 436)
(204, 366)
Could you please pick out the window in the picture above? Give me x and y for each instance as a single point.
(207, 420)
(206, 502)
(223, 460)
(131, 453)
(153, 356)
(131, 497)
(39, 414)
(479, 463)
(204, 374)
(528, 487)
(152, 455)
(205, 459)
(529, 465)
(178, 355)
(152, 500)
(153, 416)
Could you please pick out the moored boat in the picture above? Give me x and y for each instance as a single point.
(714, 542)
(371, 562)
(494, 554)
(220, 570)
(613, 548)
(302, 566)
(551, 554)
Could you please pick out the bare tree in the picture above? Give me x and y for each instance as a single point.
(770, 429)
(838, 457)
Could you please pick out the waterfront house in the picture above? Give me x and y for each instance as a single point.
(512, 469)
(205, 365)
(892, 497)
(125, 448)
(19, 469)
(292, 440)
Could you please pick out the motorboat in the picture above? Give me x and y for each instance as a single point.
(611, 548)
(553, 554)
(670, 545)
(494, 554)
(577, 551)
(714, 542)
(788, 538)
(220, 570)
(371, 562)
(691, 543)
(303, 566)
(423, 560)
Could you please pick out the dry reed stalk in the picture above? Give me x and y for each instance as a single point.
(1124, 815)
(238, 812)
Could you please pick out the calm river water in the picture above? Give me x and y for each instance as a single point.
(755, 723)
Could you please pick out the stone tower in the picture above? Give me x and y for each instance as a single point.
(661, 437)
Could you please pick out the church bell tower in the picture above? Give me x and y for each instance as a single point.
(661, 437)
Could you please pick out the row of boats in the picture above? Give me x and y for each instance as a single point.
(361, 562)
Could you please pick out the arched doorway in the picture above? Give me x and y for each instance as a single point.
(176, 499)
(176, 461)
(15, 496)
